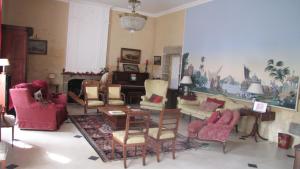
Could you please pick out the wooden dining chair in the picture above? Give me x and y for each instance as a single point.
(93, 98)
(135, 134)
(114, 95)
(166, 130)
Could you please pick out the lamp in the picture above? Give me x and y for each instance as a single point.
(186, 81)
(255, 88)
(4, 62)
(133, 21)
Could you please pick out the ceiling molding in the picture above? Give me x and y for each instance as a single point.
(182, 7)
(129, 11)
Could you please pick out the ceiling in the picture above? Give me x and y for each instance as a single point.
(153, 7)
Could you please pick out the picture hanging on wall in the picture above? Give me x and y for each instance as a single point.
(130, 55)
(237, 61)
(131, 68)
(157, 60)
(38, 47)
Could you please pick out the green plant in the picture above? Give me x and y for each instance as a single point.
(277, 70)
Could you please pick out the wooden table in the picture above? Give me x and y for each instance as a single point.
(117, 122)
(259, 117)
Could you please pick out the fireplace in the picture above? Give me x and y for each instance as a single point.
(72, 82)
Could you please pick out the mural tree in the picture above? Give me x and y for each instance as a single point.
(277, 70)
(184, 63)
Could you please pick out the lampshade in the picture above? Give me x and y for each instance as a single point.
(186, 80)
(4, 62)
(255, 88)
(133, 21)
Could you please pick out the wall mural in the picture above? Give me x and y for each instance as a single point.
(243, 53)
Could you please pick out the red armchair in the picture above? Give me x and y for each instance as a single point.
(38, 115)
(215, 128)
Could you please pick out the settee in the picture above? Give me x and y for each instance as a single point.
(192, 107)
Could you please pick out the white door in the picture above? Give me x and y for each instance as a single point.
(175, 65)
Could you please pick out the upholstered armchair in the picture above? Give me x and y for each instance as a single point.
(114, 95)
(31, 114)
(91, 95)
(216, 128)
(154, 87)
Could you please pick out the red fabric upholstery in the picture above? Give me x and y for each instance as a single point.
(220, 102)
(37, 115)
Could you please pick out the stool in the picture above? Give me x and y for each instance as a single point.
(3, 154)
(297, 157)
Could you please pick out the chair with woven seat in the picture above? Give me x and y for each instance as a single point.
(135, 134)
(114, 95)
(91, 95)
(166, 130)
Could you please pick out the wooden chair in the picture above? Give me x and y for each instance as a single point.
(114, 95)
(135, 134)
(166, 130)
(91, 95)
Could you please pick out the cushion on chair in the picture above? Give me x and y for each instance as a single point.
(91, 92)
(95, 103)
(226, 117)
(147, 103)
(132, 139)
(155, 98)
(116, 102)
(164, 134)
(114, 92)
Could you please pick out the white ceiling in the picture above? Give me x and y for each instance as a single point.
(153, 7)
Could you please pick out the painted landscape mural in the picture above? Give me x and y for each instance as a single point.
(245, 49)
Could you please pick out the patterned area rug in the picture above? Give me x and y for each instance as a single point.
(99, 134)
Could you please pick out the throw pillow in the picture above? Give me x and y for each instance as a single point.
(155, 98)
(208, 106)
(226, 117)
(38, 96)
(220, 102)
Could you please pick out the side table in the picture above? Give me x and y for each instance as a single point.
(259, 117)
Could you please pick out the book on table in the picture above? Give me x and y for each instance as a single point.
(116, 112)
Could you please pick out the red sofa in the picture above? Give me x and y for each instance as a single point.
(38, 115)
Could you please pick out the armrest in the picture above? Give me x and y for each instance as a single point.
(39, 112)
(144, 98)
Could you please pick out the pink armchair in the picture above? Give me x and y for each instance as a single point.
(216, 128)
(37, 115)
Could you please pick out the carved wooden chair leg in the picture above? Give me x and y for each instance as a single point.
(224, 147)
(157, 150)
(124, 155)
(173, 147)
(144, 154)
(113, 149)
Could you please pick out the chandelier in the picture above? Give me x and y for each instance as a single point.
(133, 21)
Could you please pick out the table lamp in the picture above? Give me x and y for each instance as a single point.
(186, 81)
(256, 89)
(4, 62)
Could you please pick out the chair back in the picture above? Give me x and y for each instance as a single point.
(114, 91)
(91, 89)
(168, 121)
(137, 123)
(158, 87)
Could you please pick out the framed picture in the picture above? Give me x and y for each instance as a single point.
(131, 68)
(38, 47)
(157, 60)
(130, 55)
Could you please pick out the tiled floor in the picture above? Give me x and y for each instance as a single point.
(66, 149)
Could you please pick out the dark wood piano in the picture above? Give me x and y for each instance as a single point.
(132, 84)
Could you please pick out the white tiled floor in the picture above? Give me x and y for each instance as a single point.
(60, 149)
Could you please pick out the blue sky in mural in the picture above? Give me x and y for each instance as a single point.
(235, 33)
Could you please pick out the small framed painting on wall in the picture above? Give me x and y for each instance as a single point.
(157, 60)
(38, 47)
(130, 55)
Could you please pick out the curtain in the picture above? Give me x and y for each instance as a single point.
(87, 36)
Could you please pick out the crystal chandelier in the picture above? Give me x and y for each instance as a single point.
(133, 21)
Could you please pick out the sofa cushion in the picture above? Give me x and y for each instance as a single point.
(209, 106)
(225, 118)
(220, 102)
